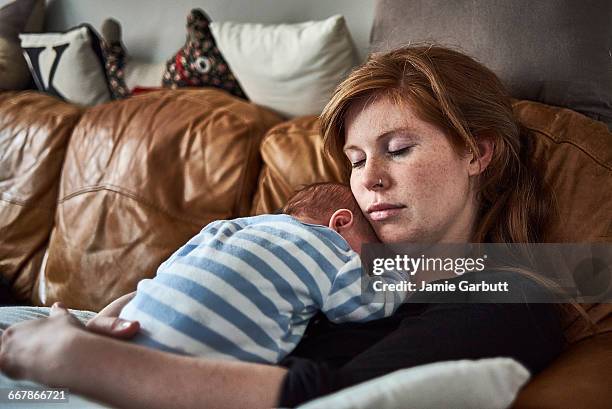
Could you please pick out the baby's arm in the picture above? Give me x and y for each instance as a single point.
(350, 301)
(114, 308)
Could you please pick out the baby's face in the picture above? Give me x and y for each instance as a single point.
(363, 233)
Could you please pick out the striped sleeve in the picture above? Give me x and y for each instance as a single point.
(347, 301)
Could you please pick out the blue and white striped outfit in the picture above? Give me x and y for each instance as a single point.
(246, 288)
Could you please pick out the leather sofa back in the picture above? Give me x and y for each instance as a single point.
(293, 155)
(574, 154)
(34, 133)
(141, 177)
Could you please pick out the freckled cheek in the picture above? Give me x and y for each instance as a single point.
(423, 177)
(429, 185)
(359, 192)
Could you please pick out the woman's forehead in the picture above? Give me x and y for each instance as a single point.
(370, 120)
(406, 134)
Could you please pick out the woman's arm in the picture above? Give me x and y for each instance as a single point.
(529, 333)
(131, 376)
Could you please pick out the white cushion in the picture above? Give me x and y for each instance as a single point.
(290, 68)
(483, 384)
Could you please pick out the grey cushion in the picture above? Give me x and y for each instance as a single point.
(551, 51)
(17, 16)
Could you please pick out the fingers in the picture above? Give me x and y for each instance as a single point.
(11, 349)
(104, 325)
(7, 367)
(58, 309)
(114, 327)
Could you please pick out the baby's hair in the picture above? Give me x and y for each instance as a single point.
(319, 201)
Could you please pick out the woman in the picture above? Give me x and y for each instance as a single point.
(435, 156)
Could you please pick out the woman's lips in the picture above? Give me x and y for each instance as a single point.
(384, 211)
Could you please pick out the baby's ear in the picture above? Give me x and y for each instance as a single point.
(341, 220)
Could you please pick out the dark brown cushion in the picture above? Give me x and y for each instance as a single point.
(575, 156)
(17, 17)
(553, 51)
(141, 177)
(578, 379)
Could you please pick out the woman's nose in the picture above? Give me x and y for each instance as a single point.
(374, 177)
(377, 185)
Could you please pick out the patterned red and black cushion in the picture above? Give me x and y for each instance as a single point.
(199, 63)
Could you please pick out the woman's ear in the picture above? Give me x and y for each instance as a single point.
(478, 164)
(341, 220)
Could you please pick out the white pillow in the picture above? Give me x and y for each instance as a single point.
(290, 68)
(68, 65)
(483, 384)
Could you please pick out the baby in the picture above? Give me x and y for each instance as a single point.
(246, 288)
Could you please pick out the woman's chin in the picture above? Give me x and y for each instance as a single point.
(394, 234)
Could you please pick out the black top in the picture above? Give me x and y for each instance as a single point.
(335, 356)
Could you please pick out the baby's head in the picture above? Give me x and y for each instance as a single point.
(332, 205)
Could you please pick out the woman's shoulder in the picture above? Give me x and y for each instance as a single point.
(489, 286)
(511, 286)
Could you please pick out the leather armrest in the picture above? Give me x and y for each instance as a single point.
(580, 378)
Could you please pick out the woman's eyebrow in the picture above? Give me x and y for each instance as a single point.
(349, 148)
(405, 131)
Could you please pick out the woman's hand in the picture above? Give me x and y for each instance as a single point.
(106, 322)
(58, 352)
(34, 349)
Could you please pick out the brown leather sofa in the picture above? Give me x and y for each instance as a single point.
(93, 200)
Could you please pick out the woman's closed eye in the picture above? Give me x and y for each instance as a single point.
(394, 154)
(356, 158)
(358, 164)
(400, 152)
